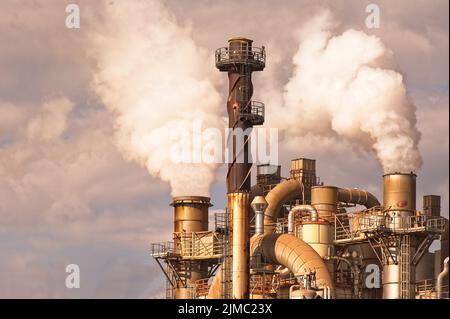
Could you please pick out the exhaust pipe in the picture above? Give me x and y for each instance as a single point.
(190, 215)
(238, 205)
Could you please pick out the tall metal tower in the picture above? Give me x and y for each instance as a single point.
(239, 59)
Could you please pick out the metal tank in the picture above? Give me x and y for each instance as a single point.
(325, 199)
(190, 215)
(319, 235)
(399, 198)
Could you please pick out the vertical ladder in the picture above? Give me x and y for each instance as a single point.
(169, 288)
(405, 267)
(226, 261)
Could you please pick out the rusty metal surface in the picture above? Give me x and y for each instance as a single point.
(238, 206)
(240, 59)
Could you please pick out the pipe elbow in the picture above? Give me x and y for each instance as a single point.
(283, 192)
(293, 253)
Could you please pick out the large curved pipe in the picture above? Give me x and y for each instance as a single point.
(440, 279)
(293, 253)
(357, 196)
(280, 194)
(288, 251)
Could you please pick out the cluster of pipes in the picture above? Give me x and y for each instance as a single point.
(310, 259)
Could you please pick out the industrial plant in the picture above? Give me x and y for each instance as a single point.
(297, 237)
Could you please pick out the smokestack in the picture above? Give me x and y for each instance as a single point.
(240, 59)
(190, 215)
(399, 203)
(399, 196)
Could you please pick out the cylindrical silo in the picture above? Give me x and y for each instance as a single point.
(190, 215)
(399, 198)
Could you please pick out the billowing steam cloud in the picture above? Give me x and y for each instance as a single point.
(154, 79)
(343, 86)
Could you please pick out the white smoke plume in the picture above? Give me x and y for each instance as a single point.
(344, 86)
(154, 79)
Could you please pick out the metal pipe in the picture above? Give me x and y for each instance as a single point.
(259, 205)
(238, 205)
(440, 279)
(280, 194)
(288, 251)
(357, 196)
(325, 199)
(293, 253)
(297, 209)
(259, 223)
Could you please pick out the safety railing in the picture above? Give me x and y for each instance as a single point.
(261, 285)
(254, 112)
(426, 289)
(415, 223)
(283, 281)
(353, 226)
(244, 55)
(162, 249)
(221, 221)
(202, 245)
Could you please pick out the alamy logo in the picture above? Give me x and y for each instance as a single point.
(373, 277)
(73, 279)
(212, 145)
(373, 19)
(73, 19)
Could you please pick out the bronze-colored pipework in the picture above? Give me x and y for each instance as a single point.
(293, 253)
(238, 206)
(357, 196)
(288, 251)
(325, 199)
(190, 215)
(285, 191)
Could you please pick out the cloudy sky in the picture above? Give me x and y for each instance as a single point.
(82, 180)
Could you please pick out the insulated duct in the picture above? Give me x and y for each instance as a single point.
(280, 194)
(357, 196)
(288, 251)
